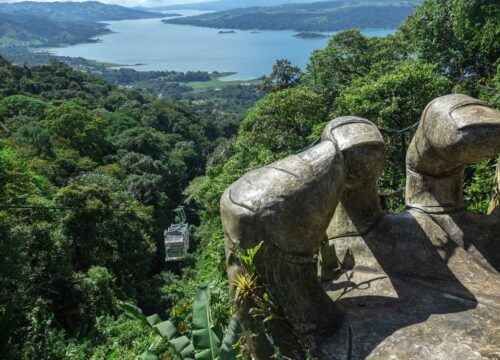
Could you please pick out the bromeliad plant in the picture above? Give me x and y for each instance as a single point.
(251, 294)
(248, 291)
(208, 341)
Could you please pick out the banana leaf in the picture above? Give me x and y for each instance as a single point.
(183, 346)
(233, 334)
(206, 337)
(156, 344)
(134, 312)
(153, 319)
(148, 355)
(166, 330)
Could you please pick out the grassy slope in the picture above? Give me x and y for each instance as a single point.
(216, 82)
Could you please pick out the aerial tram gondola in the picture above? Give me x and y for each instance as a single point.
(177, 238)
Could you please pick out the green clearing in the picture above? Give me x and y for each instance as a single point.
(216, 82)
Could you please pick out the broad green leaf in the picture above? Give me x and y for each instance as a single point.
(233, 333)
(166, 329)
(155, 344)
(204, 355)
(210, 339)
(188, 351)
(148, 355)
(153, 319)
(112, 355)
(184, 346)
(133, 311)
(205, 336)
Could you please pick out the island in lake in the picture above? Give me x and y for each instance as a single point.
(172, 15)
(227, 32)
(310, 35)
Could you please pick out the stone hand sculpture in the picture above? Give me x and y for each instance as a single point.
(287, 205)
(421, 284)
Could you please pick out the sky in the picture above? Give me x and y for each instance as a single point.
(130, 2)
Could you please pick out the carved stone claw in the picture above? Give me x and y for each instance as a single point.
(454, 130)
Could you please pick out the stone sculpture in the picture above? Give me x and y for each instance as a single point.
(422, 284)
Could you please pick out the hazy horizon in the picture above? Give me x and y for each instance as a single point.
(130, 3)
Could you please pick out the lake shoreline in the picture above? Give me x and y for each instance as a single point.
(165, 47)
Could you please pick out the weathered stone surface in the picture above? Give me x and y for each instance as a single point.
(363, 149)
(287, 205)
(414, 293)
(423, 284)
(454, 130)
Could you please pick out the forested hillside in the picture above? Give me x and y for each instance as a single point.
(211, 98)
(31, 30)
(90, 11)
(318, 16)
(59, 23)
(89, 173)
(219, 5)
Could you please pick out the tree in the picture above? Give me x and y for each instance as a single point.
(348, 56)
(105, 226)
(283, 120)
(283, 76)
(73, 238)
(73, 125)
(24, 105)
(460, 36)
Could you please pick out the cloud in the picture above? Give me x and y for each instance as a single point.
(130, 2)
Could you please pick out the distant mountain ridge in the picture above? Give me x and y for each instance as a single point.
(317, 16)
(76, 11)
(59, 23)
(20, 29)
(220, 5)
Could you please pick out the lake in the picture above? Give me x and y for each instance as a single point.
(159, 46)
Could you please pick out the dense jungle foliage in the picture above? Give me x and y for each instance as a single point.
(229, 100)
(89, 172)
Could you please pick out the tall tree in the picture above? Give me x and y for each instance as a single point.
(283, 76)
(461, 36)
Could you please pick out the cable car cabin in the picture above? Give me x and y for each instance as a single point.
(177, 239)
(176, 242)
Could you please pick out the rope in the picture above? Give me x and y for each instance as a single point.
(392, 193)
(398, 131)
(67, 208)
(189, 173)
(382, 129)
(310, 145)
(198, 170)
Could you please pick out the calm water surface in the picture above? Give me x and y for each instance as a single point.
(158, 46)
